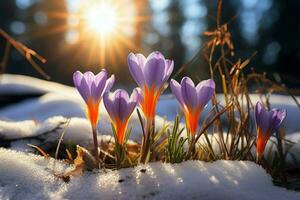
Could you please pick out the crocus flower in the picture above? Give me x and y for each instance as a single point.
(92, 87)
(267, 122)
(192, 99)
(120, 107)
(150, 74)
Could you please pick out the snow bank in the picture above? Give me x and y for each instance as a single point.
(77, 130)
(20, 84)
(48, 105)
(27, 176)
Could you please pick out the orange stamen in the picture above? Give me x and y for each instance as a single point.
(261, 141)
(93, 111)
(150, 100)
(120, 128)
(192, 119)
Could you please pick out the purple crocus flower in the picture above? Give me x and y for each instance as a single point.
(150, 74)
(92, 87)
(267, 122)
(120, 107)
(192, 99)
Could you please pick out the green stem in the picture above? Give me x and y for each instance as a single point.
(94, 128)
(192, 148)
(281, 157)
(146, 142)
(120, 155)
(258, 159)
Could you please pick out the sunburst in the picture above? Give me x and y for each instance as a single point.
(110, 27)
(100, 30)
(103, 18)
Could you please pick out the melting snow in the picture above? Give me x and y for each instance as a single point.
(27, 176)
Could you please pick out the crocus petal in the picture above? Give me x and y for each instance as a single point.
(262, 117)
(98, 85)
(109, 83)
(169, 69)
(77, 77)
(135, 95)
(189, 93)
(141, 59)
(140, 95)
(109, 103)
(134, 98)
(205, 90)
(136, 64)
(265, 119)
(258, 113)
(89, 78)
(100, 76)
(154, 70)
(176, 90)
(81, 85)
(121, 103)
(277, 118)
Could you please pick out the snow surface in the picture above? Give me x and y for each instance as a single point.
(76, 131)
(20, 84)
(27, 176)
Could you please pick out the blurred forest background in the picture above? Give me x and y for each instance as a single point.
(174, 27)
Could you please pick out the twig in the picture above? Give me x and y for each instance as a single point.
(26, 52)
(61, 138)
(203, 129)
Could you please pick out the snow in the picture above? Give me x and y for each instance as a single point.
(27, 176)
(20, 84)
(77, 131)
(41, 108)
(15, 130)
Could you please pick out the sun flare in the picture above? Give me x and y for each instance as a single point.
(104, 29)
(102, 18)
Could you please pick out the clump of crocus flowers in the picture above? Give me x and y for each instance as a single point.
(120, 107)
(267, 122)
(92, 87)
(151, 75)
